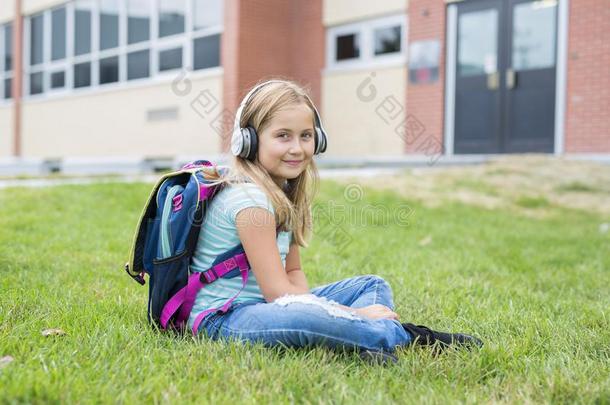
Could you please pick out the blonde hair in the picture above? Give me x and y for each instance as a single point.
(292, 204)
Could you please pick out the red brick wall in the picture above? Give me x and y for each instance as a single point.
(308, 43)
(588, 87)
(267, 38)
(425, 102)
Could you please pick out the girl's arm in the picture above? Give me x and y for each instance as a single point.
(293, 267)
(256, 228)
(297, 277)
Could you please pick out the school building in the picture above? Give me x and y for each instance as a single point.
(131, 80)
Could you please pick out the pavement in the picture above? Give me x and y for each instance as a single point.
(152, 178)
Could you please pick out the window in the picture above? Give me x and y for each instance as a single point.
(58, 80)
(534, 27)
(7, 88)
(36, 40)
(109, 70)
(36, 83)
(82, 27)
(206, 14)
(83, 45)
(387, 40)
(171, 17)
(207, 20)
(6, 61)
(373, 42)
(206, 52)
(170, 59)
(348, 47)
(8, 48)
(58, 34)
(82, 75)
(477, 42)
(55, 74)
(36, 74)
(138, 21)
(109, 24)
(138, 65)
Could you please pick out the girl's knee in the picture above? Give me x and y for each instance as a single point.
(374, 279)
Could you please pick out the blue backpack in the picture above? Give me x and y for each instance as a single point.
(165, 239)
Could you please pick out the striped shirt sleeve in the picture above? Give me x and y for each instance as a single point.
(246, 195)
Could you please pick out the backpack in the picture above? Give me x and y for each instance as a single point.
(164, 242)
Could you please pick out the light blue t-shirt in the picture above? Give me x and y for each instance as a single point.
(218, 235)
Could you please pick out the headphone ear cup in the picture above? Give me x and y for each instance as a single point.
(245, 142)
(253, 144)
(320, 145)
(237, 142)
(324, 142)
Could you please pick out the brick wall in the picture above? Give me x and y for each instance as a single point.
(425, 102)
(588, 87)
(267, 38)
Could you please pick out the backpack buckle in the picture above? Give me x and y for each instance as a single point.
(206, 277)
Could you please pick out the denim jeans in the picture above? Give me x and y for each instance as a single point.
(314, 319)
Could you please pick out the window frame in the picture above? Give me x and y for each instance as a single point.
(154, 45)
(365, 29)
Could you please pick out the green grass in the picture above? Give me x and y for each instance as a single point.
(532, 202)
(536, 290)
(577, 187)
(476, 185)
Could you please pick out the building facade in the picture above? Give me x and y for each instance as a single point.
(145, 79)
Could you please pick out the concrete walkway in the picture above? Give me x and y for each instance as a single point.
(151, 178)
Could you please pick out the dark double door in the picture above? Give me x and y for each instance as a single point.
(505, 76)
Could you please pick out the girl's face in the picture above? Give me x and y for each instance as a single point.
(286, 145)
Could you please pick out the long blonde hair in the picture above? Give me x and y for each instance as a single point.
(292, 204)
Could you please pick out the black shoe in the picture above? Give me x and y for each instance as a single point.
(425, 336)
(377, 357)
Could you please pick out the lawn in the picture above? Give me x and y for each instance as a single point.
(535, 288)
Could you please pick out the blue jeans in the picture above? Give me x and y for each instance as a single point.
(313, 319)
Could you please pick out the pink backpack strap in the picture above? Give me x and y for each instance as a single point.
(182, 302)
(242, 263)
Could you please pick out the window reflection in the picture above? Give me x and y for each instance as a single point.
(170, 59)
(534, 35)
(82, 27)
(109, 24)
(138, 21)
(58, 34)
(36, 83)
(138, 65)
(206, 52)
(8, 47)
(206, 13)
(171, 17)
(36, 40)
(82, 75)
(387, 40)
(477, 42)
(109, 70)
(58, 80)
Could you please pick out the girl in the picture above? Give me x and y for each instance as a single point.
(265, 205)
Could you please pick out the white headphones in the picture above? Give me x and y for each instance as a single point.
(244, 141)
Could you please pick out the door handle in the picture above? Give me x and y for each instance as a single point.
(493, 80)
(511, 79)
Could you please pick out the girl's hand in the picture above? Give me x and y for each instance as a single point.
(376, 311)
